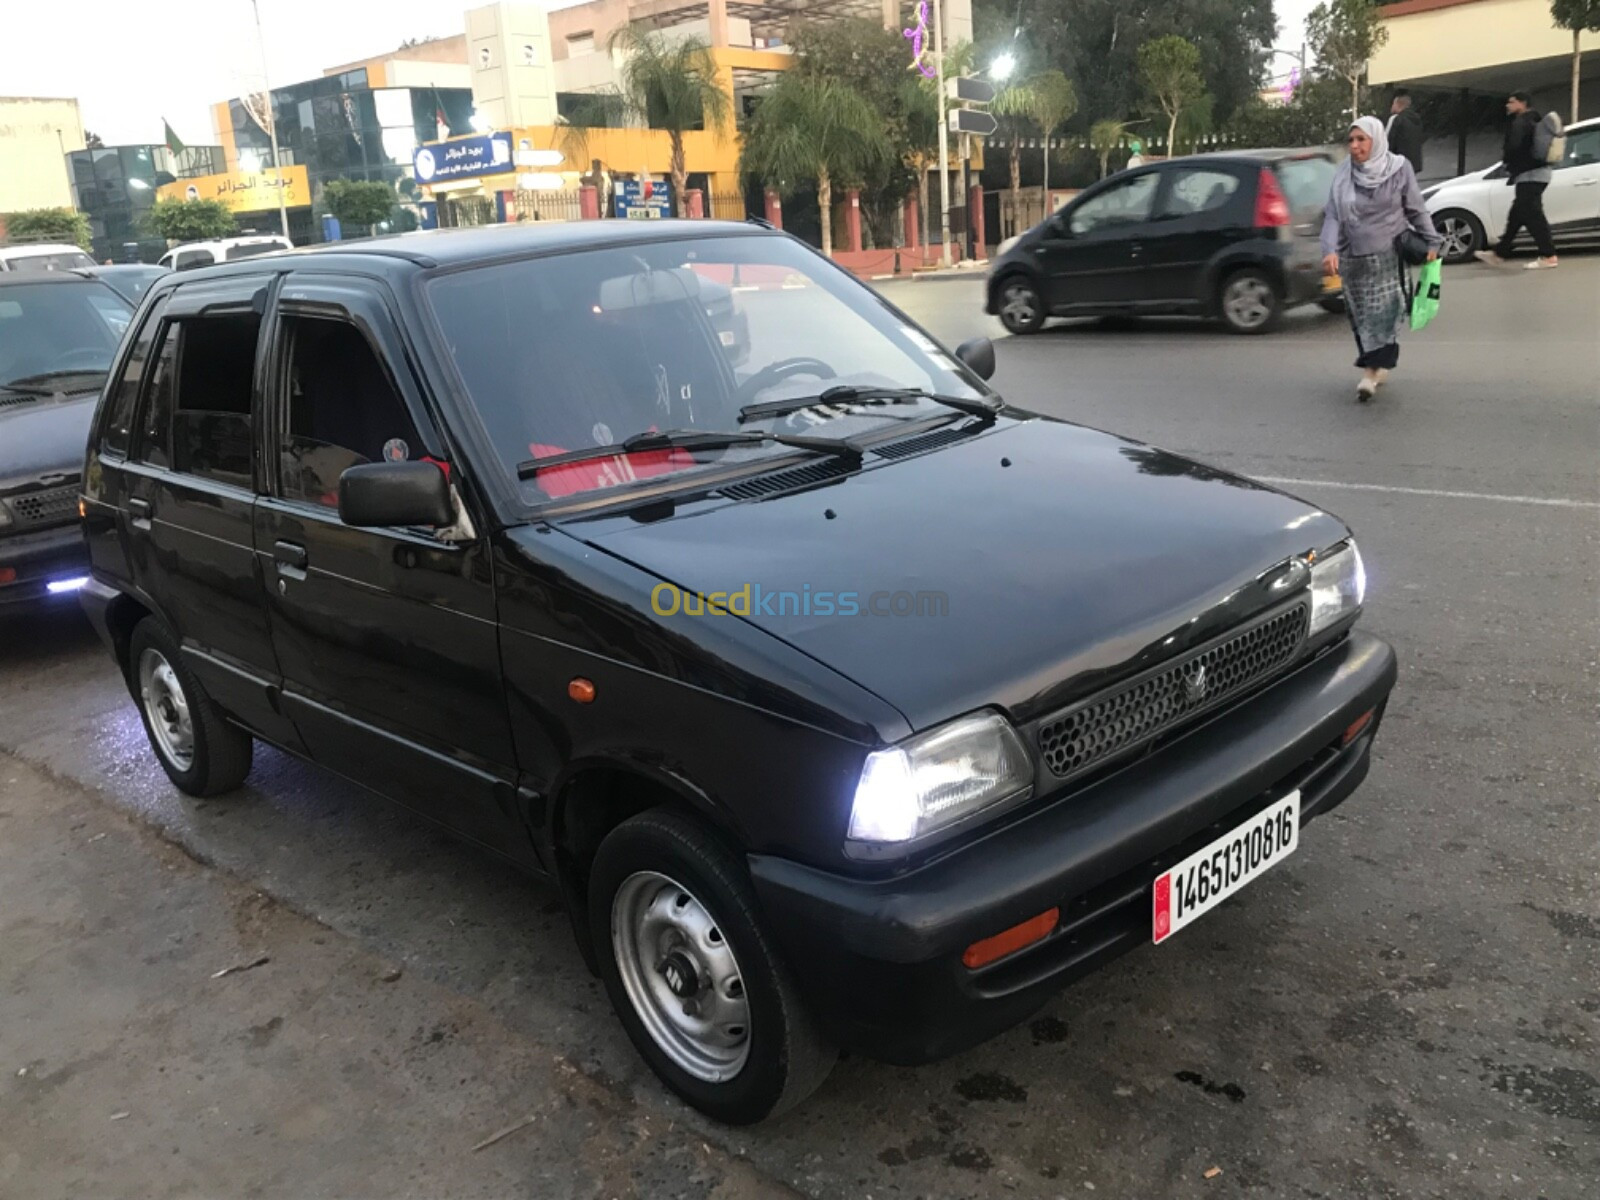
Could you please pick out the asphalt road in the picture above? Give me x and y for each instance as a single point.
(1409, 1007)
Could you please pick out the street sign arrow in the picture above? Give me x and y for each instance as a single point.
(970, 90)
(973, 121)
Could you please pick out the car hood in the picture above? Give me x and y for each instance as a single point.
(43, 437)
(1028, 565)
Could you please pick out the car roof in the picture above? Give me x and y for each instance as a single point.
(397, 253)
(1271, 155)
(34, 249)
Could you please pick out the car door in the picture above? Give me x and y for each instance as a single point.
(387, 637)
(1572, 201)
(1200, 209)
(1092, 253)
(189, 496)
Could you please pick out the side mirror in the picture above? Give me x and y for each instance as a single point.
(395, 493)
(978, 354)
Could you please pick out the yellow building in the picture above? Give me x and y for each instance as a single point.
(36, 135)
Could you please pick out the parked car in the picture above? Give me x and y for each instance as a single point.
(1470, 211)
(191, 255)
(42, 256)
(1232, 236)
(845, 704)
(58, 332)
(128, 280)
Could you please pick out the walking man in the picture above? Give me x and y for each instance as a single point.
(1529, 173)
(1405, 131)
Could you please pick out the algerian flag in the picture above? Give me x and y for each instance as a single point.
(173, 142)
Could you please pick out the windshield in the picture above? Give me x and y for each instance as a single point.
(66, 260)
(49, 331)
(575, 351)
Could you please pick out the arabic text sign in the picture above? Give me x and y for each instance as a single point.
(462, 158)
(245, 191)
(631, 200)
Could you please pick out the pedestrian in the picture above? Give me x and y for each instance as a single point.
(1523, 156)
(1405, 130)
(1375, 199)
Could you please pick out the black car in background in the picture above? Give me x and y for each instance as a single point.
(1233, 236)
(129, 280)
(58, 333)
(846, 705)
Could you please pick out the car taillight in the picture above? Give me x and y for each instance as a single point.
(1272, 209)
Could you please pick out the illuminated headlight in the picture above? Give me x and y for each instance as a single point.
(935, 779)
(1338, 585)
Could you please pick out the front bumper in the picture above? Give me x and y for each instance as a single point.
(880, 960)
(40, 559)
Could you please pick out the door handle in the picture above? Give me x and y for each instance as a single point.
(139, 511)
(291, 559)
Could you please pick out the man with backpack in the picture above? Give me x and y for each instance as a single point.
(1526, 157)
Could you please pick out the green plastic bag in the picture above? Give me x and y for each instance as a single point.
(1425, 304)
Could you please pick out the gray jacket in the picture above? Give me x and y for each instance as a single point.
(1378, 217)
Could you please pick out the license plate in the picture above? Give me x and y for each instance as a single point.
(1208, 876)
(1332, 283)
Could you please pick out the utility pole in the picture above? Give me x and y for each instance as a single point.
(944, 137)
(272, 123)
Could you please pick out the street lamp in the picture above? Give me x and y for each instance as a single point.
(1000, 69)
(272, 123)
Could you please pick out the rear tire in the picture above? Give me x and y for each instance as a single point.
(1248, 301)
(201, 751)
(1021, 306)
(1463, 235)
(693, 975)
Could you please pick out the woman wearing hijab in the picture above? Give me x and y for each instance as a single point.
(1375, 198)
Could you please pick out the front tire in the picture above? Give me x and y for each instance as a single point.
(693, 975)
(201, 751)
(1021, 306)
(1249, 302)
(1462, 233)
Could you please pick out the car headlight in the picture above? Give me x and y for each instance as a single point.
(935, 779)
(1338, 586)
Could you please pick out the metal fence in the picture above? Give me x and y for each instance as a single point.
(547, 206)
(727, 206)
(459, 212)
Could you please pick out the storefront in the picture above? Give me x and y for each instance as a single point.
(252, 197)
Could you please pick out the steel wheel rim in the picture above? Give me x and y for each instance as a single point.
(1018, 307)
(166, 709)
(702, 1023)
(1458, 238)
(1248, 302)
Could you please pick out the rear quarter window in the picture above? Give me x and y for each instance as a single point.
(1306, 181)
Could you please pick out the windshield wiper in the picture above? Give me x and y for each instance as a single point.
(689, 439)
(33, 385)
(847, 393)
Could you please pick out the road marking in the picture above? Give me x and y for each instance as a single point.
(1547, 501)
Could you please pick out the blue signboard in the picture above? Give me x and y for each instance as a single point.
(631, 200)
(462, 158)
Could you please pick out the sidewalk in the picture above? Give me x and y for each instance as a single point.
(127, 1068)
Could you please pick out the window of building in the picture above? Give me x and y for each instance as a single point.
(197, 420)
(580, 43)
(342, 408)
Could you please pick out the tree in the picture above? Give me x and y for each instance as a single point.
(189, 220)
(1580, 16)
(48, 225)
(1011, 106)
(1170, 69)
(1344, 35)
(358, 202)
(1053, 103)
(1104, 137)
(93, 141)
(673, 84)
(809, 127)
(1315, 115)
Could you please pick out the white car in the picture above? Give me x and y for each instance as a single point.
(204, 254)
(43, 256)
(1470, 211)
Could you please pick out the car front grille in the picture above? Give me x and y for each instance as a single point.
(52, 506)
(1132, 713)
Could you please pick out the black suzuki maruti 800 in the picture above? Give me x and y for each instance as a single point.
(847, 705)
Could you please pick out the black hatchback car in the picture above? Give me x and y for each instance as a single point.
(846, 705)
(1230, 236)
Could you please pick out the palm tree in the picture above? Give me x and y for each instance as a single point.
(1013, 104)
(1052, 103)
(810, 127)
(672, 84)
(1104, 137)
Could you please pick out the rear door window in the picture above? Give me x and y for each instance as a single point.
(187, 260)
(197, 421)
(1306, 182)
